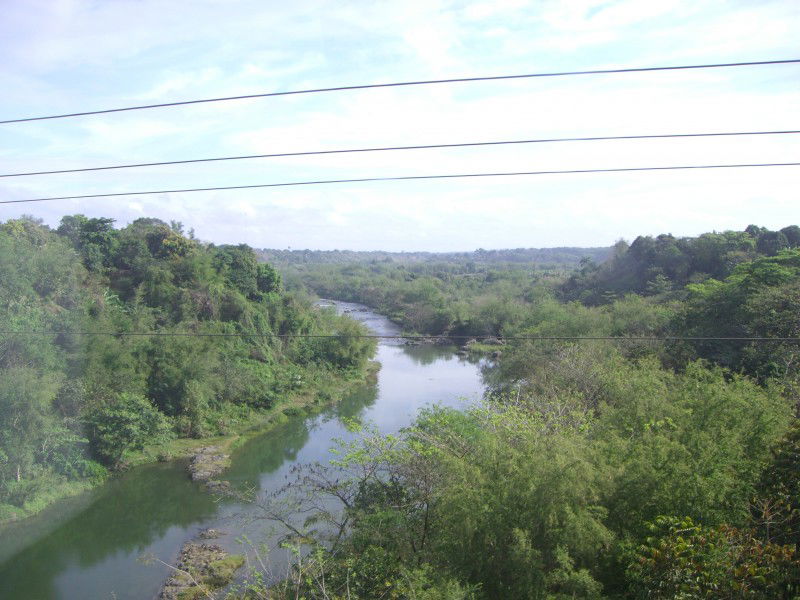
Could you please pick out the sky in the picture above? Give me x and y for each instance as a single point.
(61, 56)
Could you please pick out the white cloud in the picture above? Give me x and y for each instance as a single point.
(77, 55)
(180, 82)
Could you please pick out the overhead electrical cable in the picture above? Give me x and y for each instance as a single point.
(410, 337)
(406, 83)
(400, 178)
(396, 148)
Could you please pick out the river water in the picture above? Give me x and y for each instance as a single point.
(90, 547)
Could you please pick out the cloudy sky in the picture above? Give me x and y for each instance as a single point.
(74, 55)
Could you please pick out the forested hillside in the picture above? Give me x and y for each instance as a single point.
(117, 339)
(594, 468)
(651, 266)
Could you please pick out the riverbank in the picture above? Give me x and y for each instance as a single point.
(304, 402)
(92, 545)
(329, 390)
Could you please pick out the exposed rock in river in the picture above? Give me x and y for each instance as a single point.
(210, 534)
(207, 463)
(201, 569)
(433, 340)
(218, 486)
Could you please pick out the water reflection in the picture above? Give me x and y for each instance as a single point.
(88, 547)
(428, 354)
(126, 516)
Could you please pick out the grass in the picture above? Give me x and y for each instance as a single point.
(56, 488)
(9, 513)
(64, 489)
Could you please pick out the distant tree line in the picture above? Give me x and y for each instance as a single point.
(546, 257)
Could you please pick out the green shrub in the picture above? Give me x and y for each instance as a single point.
(126, 423)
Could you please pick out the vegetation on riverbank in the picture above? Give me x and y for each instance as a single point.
(593, 468)
(323, 389)
(119, 340)
(731, 284)
(457, 293)
(565, 495)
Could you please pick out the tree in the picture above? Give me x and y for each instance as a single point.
(757, 299)
(777, 510)
(754, 230)
(95, 239)
(792, 233)
(268, 280)
(239, 267)
(127, 422)
(26, 418)
(349, 349)
(771, 242)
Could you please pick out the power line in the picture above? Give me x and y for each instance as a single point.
(408, 337)
(394, 148)
(405, 83)
(400, 178)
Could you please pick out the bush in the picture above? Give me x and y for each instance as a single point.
(686, 560)
(126, 423)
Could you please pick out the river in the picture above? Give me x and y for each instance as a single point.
(90, 547)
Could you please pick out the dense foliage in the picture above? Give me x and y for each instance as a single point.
(460, 293)
(647, 488)
(72, 403)
(729, 284)
(651, 266)
(758, 299)
(435, 298)
(592, 469)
